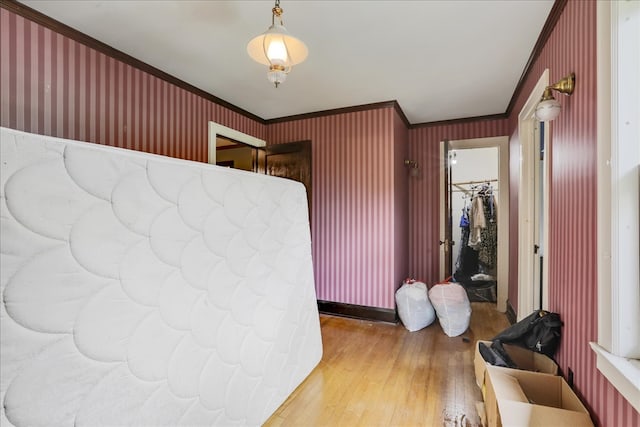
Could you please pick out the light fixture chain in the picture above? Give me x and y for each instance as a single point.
(277, 11)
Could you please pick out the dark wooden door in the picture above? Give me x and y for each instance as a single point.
(293, 161)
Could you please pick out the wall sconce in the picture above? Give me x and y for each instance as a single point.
(549, 107)
(413, 167)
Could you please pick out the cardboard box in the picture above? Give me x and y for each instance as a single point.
(521, 398)
(525, 359)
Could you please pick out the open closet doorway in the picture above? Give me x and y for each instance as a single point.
(475, 173)
(474, 192)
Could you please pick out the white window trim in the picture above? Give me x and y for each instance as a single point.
(618, 347)
(623, 373)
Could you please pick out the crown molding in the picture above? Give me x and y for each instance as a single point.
(547, 29)
(67, 31)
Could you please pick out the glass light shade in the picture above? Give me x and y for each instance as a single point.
(277, 47)
(276, 76)
(548, 110)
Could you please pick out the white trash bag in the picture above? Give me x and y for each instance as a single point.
(452, 306)
(414, 308)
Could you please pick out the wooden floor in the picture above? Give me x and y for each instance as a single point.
(379, 374)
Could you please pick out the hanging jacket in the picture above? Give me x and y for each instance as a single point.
(476, 222)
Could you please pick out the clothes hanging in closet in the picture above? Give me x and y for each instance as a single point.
(483, 226)
(477, 257)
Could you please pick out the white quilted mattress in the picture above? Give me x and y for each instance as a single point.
(139, 290)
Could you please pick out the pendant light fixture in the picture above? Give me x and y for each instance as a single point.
(277, 48)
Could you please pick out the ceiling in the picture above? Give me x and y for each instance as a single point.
(440, 60)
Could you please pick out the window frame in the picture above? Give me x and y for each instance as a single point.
(618, 347)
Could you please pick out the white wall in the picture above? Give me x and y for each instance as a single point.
(474, 164)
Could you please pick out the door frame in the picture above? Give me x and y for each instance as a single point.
(502, 143)
(528, 291)
(216, 129)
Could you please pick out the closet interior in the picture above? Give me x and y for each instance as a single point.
(473, 190)
(476, 259)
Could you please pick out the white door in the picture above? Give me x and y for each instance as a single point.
(540, 195)
(533, 205)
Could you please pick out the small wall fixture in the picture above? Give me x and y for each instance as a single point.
(413, 167)
(277, 48)
(549, 107)
(452, 157)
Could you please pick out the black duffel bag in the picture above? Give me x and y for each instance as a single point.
(539, 331)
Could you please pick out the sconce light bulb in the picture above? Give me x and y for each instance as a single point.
(548, 110)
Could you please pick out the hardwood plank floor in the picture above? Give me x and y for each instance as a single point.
(379, 374)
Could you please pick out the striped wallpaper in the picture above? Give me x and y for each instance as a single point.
(355, 160)
(372, 224)
(424, 190)
(52, 85)
(401, 207)
(572, 249)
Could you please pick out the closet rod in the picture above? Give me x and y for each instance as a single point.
(460, 189)
(474, 182)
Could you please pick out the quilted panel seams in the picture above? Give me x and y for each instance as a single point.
(186, 288)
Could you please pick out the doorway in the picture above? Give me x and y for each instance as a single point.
(231, 148)
(220, 132)
(237, 155)
(533, 206)
(291, 160)
(474, 178)
(461, 176)
(539, 216)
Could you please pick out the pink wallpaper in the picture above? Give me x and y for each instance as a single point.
(52, 85)
(572, 250)
(401, 207)
(362, 244)
(424, 190)
(354, 233)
